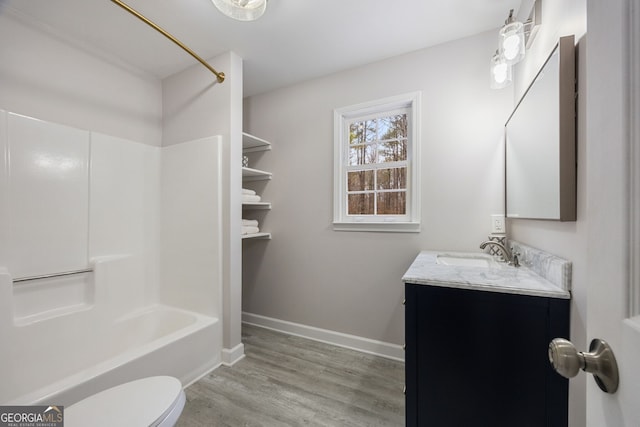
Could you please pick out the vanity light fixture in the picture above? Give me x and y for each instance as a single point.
(511, 44)
(242, 10)
(514, 38)
(500, 70)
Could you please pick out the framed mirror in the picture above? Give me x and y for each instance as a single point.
(540, 143)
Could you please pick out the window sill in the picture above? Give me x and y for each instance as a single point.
(391, 227)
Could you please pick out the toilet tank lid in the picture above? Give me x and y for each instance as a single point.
(136, 403)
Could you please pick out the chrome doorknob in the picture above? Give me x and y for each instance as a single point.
(599, 361)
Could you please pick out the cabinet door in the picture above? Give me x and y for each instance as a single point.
(481, 359)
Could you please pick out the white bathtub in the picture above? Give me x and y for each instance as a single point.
(65, 355)
(158, 341)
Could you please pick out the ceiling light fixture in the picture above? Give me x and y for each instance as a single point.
(511, 42)
(242, 10)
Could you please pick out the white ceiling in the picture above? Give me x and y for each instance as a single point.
(293, 41)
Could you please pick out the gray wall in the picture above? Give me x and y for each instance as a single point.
(350, 282)
(566, 239)
(48, 76)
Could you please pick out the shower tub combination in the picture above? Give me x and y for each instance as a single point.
(84, 344)
(144, 296)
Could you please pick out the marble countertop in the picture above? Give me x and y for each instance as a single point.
(501, 278)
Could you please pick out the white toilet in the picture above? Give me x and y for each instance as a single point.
(153, 401)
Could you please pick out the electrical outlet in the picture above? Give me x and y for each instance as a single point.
(498, 224)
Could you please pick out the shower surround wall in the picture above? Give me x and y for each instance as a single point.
(195, 106)
(73, 199)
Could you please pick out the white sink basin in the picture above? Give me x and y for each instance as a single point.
(467, 260)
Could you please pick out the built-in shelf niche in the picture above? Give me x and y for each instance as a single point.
(253, 144)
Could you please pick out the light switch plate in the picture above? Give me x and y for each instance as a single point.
(498, 224)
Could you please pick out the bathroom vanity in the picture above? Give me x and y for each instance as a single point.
(477, 333)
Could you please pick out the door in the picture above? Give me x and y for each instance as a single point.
(613, 202)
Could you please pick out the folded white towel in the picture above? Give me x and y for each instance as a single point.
(249, 222)
(250, 199)
(248, 192)
(250, 230)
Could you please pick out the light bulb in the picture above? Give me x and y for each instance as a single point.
(500, 71)
(512, 42)
(511, 46)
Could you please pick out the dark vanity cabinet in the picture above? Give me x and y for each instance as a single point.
(478, 358)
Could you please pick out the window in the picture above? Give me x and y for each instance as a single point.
(376, 170)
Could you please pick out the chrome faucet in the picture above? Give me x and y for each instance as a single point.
(510, 258)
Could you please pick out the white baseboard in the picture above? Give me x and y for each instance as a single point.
(231, 356)
(189, 383)
(365, 345)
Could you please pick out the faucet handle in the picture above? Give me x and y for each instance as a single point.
(514, 257)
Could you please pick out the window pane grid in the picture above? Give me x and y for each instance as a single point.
(377, 163)
(377, 140)
(370, 200)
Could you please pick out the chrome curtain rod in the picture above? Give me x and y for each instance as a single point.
(48, 276)
(219, 75)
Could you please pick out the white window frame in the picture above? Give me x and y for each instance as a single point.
(410, 222)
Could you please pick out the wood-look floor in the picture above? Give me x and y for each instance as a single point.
(290, 381)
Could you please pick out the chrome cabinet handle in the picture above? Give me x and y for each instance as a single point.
(599, 361)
